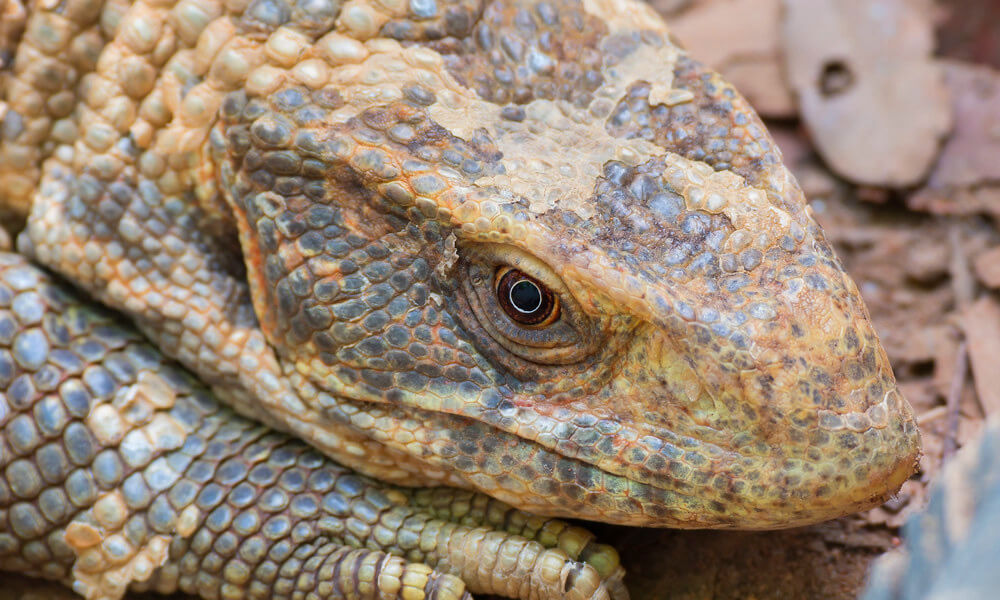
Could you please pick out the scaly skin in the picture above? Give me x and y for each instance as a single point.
(120, 468)
(309, 206)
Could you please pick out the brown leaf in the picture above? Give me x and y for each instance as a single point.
(957, 201)
(981, 323)
(969, 31)
(987, 266)
(867, 87)
(739, 38)
(966, 178)
(971, 156)
(945, 345)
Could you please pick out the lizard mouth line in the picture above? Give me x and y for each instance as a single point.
(562, 480)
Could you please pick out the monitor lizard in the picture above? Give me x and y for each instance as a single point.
(530, 249)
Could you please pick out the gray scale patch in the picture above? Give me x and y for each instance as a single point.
(278, 527)
(76, 398)
(136, 530)
(54, 505)
(293, 480)
(242, 495)
(118, 549)
(23, 478)
(21, 278)
(80, 444)
(247, 523)
(210, 496)
(81, 488)
(26, 521)
(31, 348)
(179, 461)
(47, 377)
(161, 516)
(159, 475)
(304, 506)
(274, 500)
(136, 449)
(22, 434)
(99, 382)
(226, 544)
(201, 471)
(182, 494)
(52, 463)
(8, 328)
(29, 308)
(22, 393)
(135, 492)
(219, 519)
(231, 472)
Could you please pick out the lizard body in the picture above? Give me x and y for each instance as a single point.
(526, 248)
(122, 470)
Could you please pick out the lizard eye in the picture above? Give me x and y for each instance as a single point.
(518, 309)
(525, 299)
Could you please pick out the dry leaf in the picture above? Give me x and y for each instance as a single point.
(971, 155)
(981, 323)
(966, 178)
(867, 87)
(957, 201)
(740, 39)
(987, 266)
(945, 347)
(969, 31)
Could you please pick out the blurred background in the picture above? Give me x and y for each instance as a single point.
(888, 113)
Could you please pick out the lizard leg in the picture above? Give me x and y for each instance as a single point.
(478, 510)
(121, 471)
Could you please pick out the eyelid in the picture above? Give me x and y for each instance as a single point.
(563, 332)
(503, 255)
(571, 338)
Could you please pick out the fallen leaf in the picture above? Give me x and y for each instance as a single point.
(987, 266)
(957, 201)
(969, 31)
(971, 156)
(981, 324)
(945, 345)
(740, 39)
(966, 178)
(867, 86)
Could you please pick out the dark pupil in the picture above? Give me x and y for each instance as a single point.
(525, 296)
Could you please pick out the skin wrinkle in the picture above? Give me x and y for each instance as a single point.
(741, 383)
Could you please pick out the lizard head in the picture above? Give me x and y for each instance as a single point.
(569, 271)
